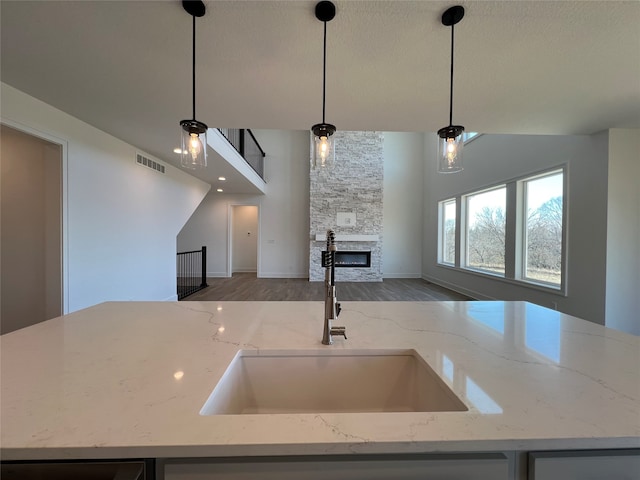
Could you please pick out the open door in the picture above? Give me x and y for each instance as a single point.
(30, 230)
(244, 239)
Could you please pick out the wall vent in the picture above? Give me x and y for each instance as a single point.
(147, 162)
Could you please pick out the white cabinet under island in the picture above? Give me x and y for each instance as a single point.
(538, 390)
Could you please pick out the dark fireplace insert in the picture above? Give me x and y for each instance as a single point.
(350, 258)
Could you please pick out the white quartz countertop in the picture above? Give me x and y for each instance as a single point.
(128, 379)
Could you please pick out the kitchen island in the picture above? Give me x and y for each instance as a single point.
(129, 380)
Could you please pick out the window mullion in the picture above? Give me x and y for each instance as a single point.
(511, 235)
(459, 228)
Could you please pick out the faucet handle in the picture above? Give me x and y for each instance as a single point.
(339, 331)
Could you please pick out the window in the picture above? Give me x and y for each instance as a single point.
(543, 221)
(485, 230)
(467, 136)
(447, 252)
(516, 230)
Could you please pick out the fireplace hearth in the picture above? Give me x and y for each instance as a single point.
(350, 259)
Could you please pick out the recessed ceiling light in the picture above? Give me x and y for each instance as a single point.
(222, 179)
(220, 190)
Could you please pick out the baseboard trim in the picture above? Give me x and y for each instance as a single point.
(282, 275)
(172, 298)
(401, 275)
(457, 288)
(217, 274)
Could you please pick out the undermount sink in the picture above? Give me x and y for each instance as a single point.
(327, 381)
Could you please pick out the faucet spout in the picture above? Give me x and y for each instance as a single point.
(331, 306)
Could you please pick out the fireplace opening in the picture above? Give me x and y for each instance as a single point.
(350, 259)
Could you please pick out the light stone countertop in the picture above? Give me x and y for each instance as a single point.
(104, 383)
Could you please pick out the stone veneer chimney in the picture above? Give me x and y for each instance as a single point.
(353, 186)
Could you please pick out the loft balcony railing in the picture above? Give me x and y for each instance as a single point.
(192, 272)
(247, 146)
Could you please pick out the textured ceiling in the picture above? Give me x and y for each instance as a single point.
(561, 67)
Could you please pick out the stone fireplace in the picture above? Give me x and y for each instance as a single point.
(348, 199)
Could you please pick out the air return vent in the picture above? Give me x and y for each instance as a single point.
(147, 162)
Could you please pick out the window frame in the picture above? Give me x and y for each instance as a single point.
(515, 232)
(442, 231)
(464, 231)
(468, 137)
(522, 231)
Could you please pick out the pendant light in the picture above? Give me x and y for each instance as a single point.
(194, 133)
(323, 148)
(450, 142)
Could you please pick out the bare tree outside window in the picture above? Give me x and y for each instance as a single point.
(449, 232)
(544, 229)
(486, 231)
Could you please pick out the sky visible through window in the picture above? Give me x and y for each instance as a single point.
(491, 199)
(542, 190)
(539, 192)
(450, 211)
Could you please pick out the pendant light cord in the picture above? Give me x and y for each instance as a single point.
(451, 83)
(324, 70)
(193, 100)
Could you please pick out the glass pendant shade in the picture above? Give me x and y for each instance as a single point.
(450, 146)
(194, 144)
(324, 152)
(450, 140)
(193, 133)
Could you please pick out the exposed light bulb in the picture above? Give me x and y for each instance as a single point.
(323, 147)
(450, 147)
(452, 150)
(195, 145)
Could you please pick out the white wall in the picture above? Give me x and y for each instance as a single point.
(245, 238)
(284, 212)
(403, 205)
(623, 231)
(121, 219)
(490, 159)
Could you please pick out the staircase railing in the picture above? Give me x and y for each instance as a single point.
(192, 272)
(247, 146)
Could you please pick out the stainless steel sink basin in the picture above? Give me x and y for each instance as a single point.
(328, 380)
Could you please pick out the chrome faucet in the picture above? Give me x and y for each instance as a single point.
(331, 306)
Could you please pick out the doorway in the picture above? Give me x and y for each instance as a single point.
(31, 287)
(243, 254)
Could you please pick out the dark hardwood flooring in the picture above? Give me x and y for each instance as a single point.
(247, 287)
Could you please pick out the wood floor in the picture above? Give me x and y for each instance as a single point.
(246, 287)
